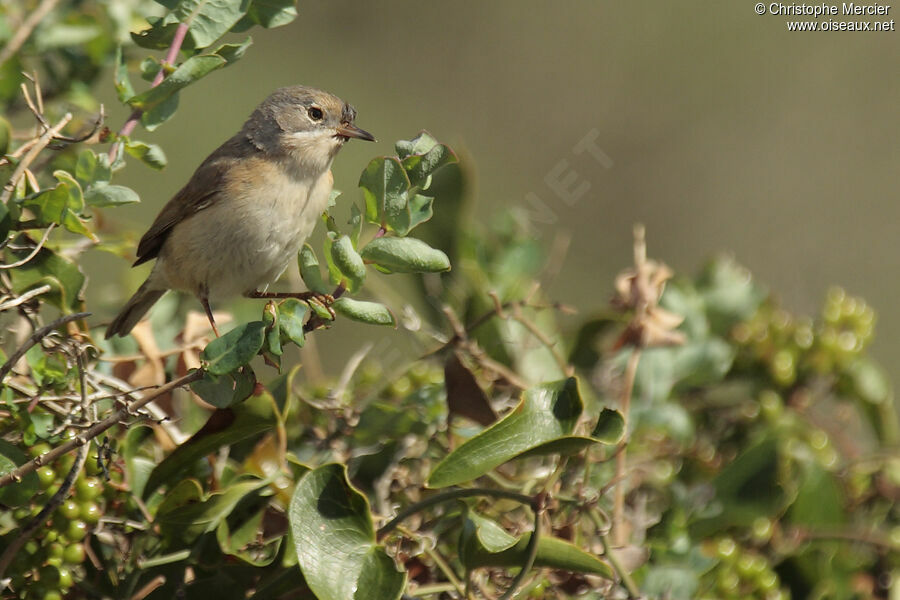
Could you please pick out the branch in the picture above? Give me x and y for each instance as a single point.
(24, 31)
(36, 149)
(36, 337)
(97, 429)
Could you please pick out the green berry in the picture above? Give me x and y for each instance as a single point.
(74, 554)
(91, 513)
(728, 581)
(76, 531)
(88, 488)
(55, 550)
(65, 578)
(727, 549)
(46, 477)
(38, 449)
(70, 509)
(762, 529)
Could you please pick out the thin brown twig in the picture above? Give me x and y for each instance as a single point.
(24, 30)
(32, 154)
(36, 337)
(25, 297)
(96, 429)
(34, 252)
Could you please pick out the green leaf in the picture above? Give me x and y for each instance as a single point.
(335, 540)
(50, 205)
(819, 502)
(291, 316)
(21, 492)
(422, 156)
(405, 255)
(233, 52)
(356, 223)
(183, 524)
(187, 73)
(159, 114)
(610, 426)
(268, 13)
(373, 313)
(483, 543)
(746, 488)
(124, 89)
(225, 426)
(64, 277)
(348, 262)
(105, 194)
(546, 415)
(420, 210)
(149, 154)
(309, 270)
(234, 349)
(92, 168)
(160, 33)
(224, 390)
(243, 541)
(5, 135)
(60, 34)
(208, 19)
(385, 187)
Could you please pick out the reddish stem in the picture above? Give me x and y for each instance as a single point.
(171, 55)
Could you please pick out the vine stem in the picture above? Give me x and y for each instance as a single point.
(16, 474)
(620, 535)
(536, 503)
(446, 497)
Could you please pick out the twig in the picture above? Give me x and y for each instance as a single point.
(34, 252)
(24, 31)
(36, 337)
(25, 297)
(97, 429)
(151, 586)
(36, 149)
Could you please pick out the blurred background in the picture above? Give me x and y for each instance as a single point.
(720, 131)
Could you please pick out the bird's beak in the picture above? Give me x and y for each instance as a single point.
(347, 130)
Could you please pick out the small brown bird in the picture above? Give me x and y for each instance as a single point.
(248, 208)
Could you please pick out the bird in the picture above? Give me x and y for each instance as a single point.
(248, 208)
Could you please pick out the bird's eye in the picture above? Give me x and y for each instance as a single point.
(315, 113)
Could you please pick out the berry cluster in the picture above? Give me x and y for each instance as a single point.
(741, 573)
(49, 563)
(792, 348)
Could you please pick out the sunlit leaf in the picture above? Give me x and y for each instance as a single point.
(234, 349)
(405, 255)
(333, 534)
(373, 313)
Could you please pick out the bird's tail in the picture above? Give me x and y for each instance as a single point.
(136, 307)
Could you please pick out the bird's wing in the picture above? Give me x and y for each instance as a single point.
(201, 191)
